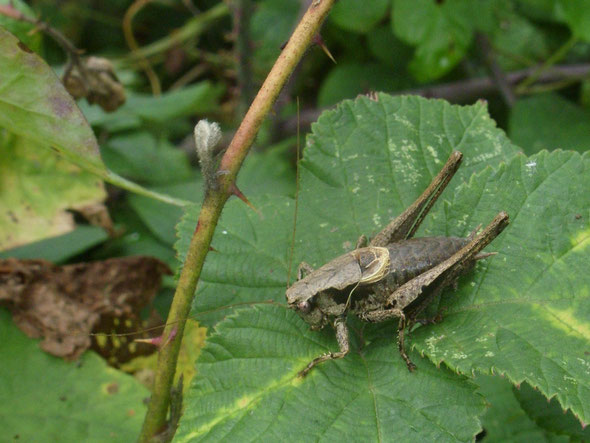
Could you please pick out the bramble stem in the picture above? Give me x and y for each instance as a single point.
(308, 27)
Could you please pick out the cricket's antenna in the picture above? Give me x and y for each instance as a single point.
(296, 200)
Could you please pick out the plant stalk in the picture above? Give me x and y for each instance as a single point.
(308, 27)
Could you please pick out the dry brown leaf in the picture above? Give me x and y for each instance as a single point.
(98, 83)
(65, 304)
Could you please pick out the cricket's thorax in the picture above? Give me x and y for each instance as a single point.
(361, 266)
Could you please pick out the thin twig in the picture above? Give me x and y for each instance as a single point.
(540, 70)
(242, 12)
(145, 64)
(467, 90)
(155, 420)
(69, 48)
(193, 27)
(498, 74)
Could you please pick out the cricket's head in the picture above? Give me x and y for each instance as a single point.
(364, 265)
(311, 314)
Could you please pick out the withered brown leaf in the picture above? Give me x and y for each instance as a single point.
(65, 304)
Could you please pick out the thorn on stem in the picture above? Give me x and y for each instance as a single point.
(234, 190)
(318, 40)
(158, 341)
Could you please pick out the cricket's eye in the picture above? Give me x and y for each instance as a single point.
(304, 306)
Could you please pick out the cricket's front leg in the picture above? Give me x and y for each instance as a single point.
(385, 314)
(343, 343)
(405, 225)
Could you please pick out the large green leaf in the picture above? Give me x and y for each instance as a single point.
(576, 13)
(525, 313)
(505, 420)
(441, 32)
(359, 17)
(364, 162)
(38, 188)
(548, 415)
(43, 398)
(157, 111)
(23, 30)
(35, 105)
(549, 121)
(246, 389)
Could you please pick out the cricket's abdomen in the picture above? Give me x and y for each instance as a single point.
(410, 258)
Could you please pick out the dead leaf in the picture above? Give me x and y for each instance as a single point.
(65, 304)
(96, 80)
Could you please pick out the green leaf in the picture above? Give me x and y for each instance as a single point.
(505, 420)
(271, 26)
(347, 80)
(359, 17)
(38, 188)
(441, 32)
(524, 312)
(576, 13)
(550, 122)
(61, 248)
(142, 157)
(43, 398)
(268, 172)
(246, 389)
(160, 217)
(517, 42)
(35, 105)
(549, 415)
(364, 162)
(147, 110)
(390, 51)
(23, 30)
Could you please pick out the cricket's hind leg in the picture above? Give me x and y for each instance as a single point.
(405, 225)
(429, 284)
(380, 315)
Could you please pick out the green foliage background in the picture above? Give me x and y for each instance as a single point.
(515, 332)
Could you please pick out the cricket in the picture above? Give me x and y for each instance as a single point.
(391, 276)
